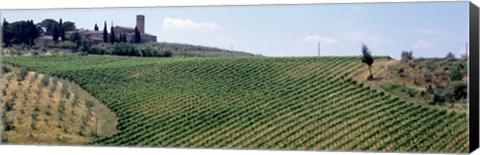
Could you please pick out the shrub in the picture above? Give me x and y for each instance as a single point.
(89, 103)
(439, 72)
(455, 74)
(64, 90)
(34, 116)
(63, 45)
(457, 90)
(45, 80)
(412, 63)
(414, 78)
(411, 92)
(53, 87)
(9, 104)
(5, 69)
(427, 75)
(33, 125)
(450, 56)
(43, 50)
(23, 73)
(401, 72)
(61, 107)
(9, 125)
(437, 98)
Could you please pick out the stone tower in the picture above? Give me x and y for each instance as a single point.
(141, 23)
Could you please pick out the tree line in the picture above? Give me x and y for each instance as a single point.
(25, 32)
(113, 38)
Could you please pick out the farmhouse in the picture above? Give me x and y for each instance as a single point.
(96, 37)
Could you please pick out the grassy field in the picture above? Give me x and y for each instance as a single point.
(304, 103)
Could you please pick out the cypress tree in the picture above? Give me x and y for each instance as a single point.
(96, 27)
(55, 33)
(105, 33)
(112, 35)
(138, 38)
(61, 30)
(33, 32)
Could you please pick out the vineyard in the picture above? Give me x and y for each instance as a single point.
(304, 103)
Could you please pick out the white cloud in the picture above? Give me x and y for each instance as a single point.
(317, 38)
(421, 44)
(170, 24)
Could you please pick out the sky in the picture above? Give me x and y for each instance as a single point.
(429, 29)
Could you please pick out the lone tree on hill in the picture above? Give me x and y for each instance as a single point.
(367, 59)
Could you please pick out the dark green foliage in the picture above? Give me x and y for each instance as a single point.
(22, 74)
(45, 81)
(113, 38)
(367, 59)
(450, 56)
(9, 104)
(401, 72)
(456, 74)
(61, 30)
(63, 45)
(34, 116)
(56, 33)
(9, 124)
(7, 34)
(127, 49)
(105, 33)
(457, 90)
(76, 38)
(48, 25)
(95, 27)
(68, 26)
(21, 32)
(407, 56)
(438, 98)
(162, 50)
(399, 89)
(84, 45)
(138, 38)
(89, 103)
(5, 69)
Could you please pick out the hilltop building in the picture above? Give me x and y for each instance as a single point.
(96, 37)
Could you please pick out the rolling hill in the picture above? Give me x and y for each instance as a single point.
(303, 103)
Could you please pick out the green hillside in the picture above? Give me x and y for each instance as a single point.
(304, 103)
